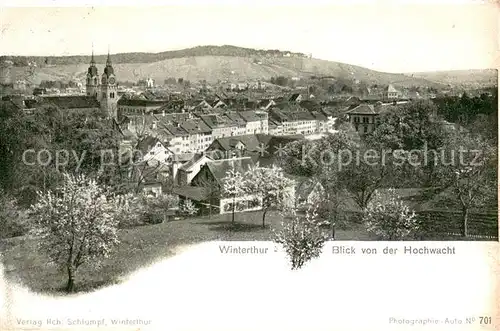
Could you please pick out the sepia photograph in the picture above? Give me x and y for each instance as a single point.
(228, 165)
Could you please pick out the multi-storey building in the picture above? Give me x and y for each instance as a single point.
(256, 121)
(220, 125)
(200, 135)
(363, 118)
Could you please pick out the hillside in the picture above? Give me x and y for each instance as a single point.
(461, 77)
(226, 50)
(213, 68)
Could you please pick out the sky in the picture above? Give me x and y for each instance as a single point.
(381, 35)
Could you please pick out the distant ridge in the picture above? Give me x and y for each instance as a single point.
(232, 63)
(458, 77)
(144, 57)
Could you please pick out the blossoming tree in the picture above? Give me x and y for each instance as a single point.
(271, 185)
(76, 224)
(389, 218)
(302, 237)
(233, 186)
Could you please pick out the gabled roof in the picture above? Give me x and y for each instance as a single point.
(310, 105)
(195, 193)
(196, 157)
(251, 142)
(195, 126)
(175, 130)
(301, 116)
(250, 104)
(319, 116)
(291, 116)
(173, 117)
(391, 89)
(185, 157)
(147, 143)
(272, 144)
(72, 101)
(220, 168)
(264, 102)
(252, 115)
(306, 187)
(216, 121)
(363, 109)
(294, 97)
(218, 104)
(236, 118)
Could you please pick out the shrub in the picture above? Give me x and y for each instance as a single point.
(188, 208)
(390, 218)
(301, 237)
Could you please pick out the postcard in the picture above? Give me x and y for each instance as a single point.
(308, 165)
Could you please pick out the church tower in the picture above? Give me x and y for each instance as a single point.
(92, 86)
(109, 94)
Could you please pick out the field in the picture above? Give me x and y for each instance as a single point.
(139, 247)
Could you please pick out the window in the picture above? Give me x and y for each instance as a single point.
(365, 129)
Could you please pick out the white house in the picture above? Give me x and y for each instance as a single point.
(153, 150)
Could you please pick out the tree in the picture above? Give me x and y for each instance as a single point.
(188, 208)
(471, 175)
(270, 185)
(302, 237)
(328, 174)
(292, 160)
(77, 224)
(410, 126)
(389, 218)
(233, 186)
(12, 222)
(77, 138)
(362, 176)
(134, 209)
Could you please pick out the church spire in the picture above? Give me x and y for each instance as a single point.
(108, 70)
(92, 60)
(108, 61)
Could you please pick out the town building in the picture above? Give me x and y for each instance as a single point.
(200, 134)
(153, 151)
(127, 106)
(295, 121)
(391, 93)
(363, 118)
(221, 126)
(256, 121)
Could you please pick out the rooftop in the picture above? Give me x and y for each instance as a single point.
(220, 168)
(72, 102)
(363, 109)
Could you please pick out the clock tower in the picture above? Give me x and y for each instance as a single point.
(92, 85)
(109, 93)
